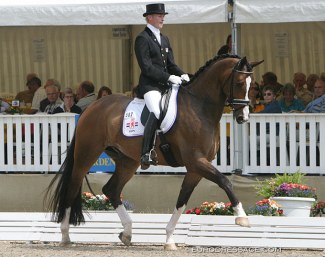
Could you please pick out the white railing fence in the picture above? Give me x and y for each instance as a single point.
(271, 143)
(34, 143)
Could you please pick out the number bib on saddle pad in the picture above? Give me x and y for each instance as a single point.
(132, 125)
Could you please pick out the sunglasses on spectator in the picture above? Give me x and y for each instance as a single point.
(267, 94)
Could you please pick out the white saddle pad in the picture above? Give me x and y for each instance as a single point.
(132, 124)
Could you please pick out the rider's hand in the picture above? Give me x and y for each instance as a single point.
(175, 79)
(185, 77)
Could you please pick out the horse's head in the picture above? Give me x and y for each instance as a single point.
(240, 81)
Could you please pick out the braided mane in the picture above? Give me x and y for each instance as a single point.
(210, 62)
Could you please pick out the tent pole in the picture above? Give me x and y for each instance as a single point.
(237, 128)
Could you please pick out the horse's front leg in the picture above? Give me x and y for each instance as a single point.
(241, 219)
(65, 228)
(126, 221)
(211, 173)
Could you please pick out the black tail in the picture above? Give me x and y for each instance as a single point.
(58, 201)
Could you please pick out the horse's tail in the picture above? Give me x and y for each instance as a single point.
(57, 203)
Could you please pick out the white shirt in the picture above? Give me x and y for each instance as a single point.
(155, 31)
(39, 95)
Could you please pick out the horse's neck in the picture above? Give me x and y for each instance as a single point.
(204, 102)
(209, 95)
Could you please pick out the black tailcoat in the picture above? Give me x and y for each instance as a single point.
(156, 61)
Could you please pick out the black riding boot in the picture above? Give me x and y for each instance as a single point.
(148, 137)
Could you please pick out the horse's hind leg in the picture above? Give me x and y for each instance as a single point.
(124, 171)
(189, 183)
(65, 228)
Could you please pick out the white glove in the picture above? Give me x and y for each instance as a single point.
(185, 77)
(175, 79)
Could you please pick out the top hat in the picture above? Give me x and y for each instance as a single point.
(155, 9)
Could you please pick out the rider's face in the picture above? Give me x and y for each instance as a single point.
(156, 20)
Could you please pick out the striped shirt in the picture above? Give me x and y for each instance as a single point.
(316, 106)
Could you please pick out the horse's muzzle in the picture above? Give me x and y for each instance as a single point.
(242, 115)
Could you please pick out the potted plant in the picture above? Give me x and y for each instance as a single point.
(318, 209)
(93, 202)
(290, 192)
(266, 207)
(213, 208)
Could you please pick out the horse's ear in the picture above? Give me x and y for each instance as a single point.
(254, 64)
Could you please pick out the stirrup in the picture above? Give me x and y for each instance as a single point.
(149, 158)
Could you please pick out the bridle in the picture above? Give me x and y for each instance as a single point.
(231, 101)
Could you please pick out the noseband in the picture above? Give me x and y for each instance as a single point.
(232, 102)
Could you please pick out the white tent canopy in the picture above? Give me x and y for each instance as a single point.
(106, 12)
(277, 11)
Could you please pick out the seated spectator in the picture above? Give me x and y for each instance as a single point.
(68, 104)
(49, 104)
(40, 94)
(270, 79)
(26, 96)
(104, 91)
(318, 105)
(255, 104)
(288, 102)
(302, 93)
(3, 105)
(271, 105)
(311, 79)
(85, 94)
(35, 84)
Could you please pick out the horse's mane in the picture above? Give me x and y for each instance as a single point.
(208, 63)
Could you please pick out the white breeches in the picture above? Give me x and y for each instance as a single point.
(152, 99)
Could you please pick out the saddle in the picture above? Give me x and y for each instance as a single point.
(137, 113)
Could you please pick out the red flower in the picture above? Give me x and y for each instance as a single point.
(197, 211)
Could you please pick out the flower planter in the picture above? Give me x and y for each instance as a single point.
(295, 206)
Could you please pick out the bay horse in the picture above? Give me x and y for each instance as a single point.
(194, 140)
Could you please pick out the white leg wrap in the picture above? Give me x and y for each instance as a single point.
(125, 219)
(65, 227)
(172, 224)
(239, 211)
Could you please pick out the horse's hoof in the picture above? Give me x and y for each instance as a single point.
(170, 247)
(65, 243)
(125, 239)
(242, 221)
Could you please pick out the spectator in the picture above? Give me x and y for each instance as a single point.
(254, 96)
(40, 94)
(270, 102)
(3, 105)
(26, 96)
(226, 49)
(85, 94)
(311, 79)
(68, 104)
(270, 79)
(271, 106)
(318, 105)
(104, 91)
(288, 102)
(302, 93)
(34, 83)
(49, 104)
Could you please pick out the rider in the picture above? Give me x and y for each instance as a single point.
(158, 69)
